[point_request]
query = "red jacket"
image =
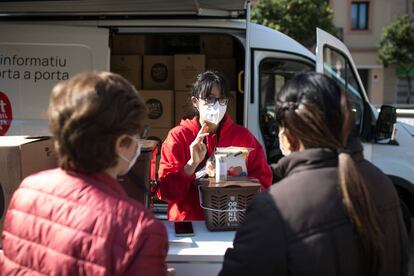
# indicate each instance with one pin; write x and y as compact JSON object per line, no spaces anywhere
{"x":177,"y":188}
{"x":65,"y":223}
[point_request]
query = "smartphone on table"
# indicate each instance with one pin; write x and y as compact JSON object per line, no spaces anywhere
{"x":183,"y":228}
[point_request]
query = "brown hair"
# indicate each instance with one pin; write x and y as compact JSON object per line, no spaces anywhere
{"x":87,"y":113}
{"x":314,"y":110}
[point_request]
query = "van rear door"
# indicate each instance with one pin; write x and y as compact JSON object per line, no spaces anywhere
{"x":33,"y":58}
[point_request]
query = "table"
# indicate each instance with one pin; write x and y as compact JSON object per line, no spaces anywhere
{"x":201,"y":254}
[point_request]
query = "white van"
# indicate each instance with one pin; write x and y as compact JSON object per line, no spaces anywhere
{"x":43,"y":42}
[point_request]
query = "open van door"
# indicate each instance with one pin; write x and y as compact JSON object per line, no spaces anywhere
{"x":334,"y":59}
{"x":33,"y":58}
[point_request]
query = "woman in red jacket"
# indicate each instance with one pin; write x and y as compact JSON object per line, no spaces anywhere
{"x":189,"y":145}
{"x":77,"y":219}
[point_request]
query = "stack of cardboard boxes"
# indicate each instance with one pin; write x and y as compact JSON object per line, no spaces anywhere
{"x":165,"y":81}
{"x":186,"y":68}
{"x":152,"y":76}
{"x":126,"y":58}
{"x":219,"y":57}
{"x":158,"y":94}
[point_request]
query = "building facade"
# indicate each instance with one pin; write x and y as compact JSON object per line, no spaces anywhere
{"x":360,"y":24}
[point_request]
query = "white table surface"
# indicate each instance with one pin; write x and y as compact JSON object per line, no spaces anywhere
{"x":204,"y":246}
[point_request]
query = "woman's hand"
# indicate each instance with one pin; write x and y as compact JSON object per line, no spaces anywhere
{"x":198,"y":151}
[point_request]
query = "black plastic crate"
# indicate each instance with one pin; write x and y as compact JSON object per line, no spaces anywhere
{"x":225,"y":203}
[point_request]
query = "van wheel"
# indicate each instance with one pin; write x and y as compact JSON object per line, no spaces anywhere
{"x":406,"y":216}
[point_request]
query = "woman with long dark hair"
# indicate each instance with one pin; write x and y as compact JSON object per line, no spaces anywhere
{"x":332,"y":212}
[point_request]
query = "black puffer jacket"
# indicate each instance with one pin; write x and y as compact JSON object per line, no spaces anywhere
{"x":300,"y":226}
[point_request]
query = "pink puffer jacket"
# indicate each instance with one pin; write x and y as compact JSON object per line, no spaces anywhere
{"x":66,"y":223}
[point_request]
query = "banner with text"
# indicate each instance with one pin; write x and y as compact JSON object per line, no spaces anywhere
{"x":28,"y":72}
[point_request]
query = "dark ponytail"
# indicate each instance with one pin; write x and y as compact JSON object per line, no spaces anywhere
{"x":315,"y":111}
{"x":356,"y":198}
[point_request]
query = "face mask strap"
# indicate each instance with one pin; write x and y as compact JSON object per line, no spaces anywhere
{"x":137,"y":153}
{"x":124,"y":158}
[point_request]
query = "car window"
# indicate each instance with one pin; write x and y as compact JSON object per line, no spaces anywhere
{"x":339,"y":68}
{"x":273,"y":74}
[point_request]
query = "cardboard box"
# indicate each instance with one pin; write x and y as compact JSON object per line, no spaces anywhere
{"x":160,"y":104}
{"x":128,"y":66}
{"x":128,"y":44}
{"x":173,"y":44}
{"x":158,"y":72}
{"x":216,"y":46}
{"x":19,"y":157}
{"x":153,"y":45}
{"x":186,"y":69}
{"x":227,"y":67}
{"x":183,"y":105}
{"x":158,"y":133}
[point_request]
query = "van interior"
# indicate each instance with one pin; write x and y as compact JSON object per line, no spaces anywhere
{"x":146,"y":60}
{"x":162,"y":68}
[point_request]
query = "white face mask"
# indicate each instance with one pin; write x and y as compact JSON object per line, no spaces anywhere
{"x":213,"y":114}
{"x":282,"y":145}
{"x":134,"y":159}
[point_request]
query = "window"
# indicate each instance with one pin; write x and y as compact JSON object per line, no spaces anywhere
{"x":273,"y":74}
{"x":359,"y":15}
{"x":339,"y":68}
{"x":363,"y":75}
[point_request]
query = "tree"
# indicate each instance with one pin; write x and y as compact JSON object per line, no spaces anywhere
{"x":397,"y":47}
{"x":295,"y":18}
